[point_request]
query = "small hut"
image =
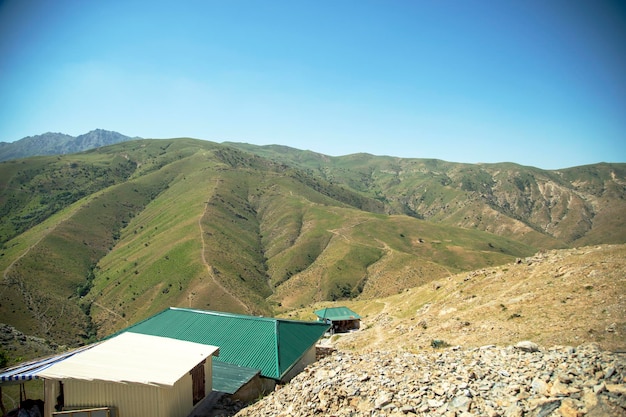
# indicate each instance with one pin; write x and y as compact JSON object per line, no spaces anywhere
{"x":133,"y":375}
{"x":341,"y":319}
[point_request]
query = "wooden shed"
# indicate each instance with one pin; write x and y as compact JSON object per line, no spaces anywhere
{"x":134,"y":375}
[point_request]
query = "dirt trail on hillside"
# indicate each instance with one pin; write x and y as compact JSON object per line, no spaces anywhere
{"x":339,"y":233}
{"x":28,"y":249}
{"x":45,"y":234}
{"x":112,"y":312}
{"x":204,"y":260}
{"x":380,"y":320}
{"x":32,"y":300}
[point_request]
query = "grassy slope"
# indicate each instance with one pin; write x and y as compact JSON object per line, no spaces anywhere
{"x":369,"y":255}
{"x":45,"y":268}
{"x":48,"y":273}
{"x":31,"y":190}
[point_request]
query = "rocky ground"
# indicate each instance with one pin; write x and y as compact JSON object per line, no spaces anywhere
{"x":521,"y":380}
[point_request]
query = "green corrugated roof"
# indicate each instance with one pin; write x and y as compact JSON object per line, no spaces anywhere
{"x":271,"y":345}
{"x":337,"y":313}
{"x":229,"y":378}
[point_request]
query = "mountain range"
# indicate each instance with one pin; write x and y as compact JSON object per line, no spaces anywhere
{"x":96,"y":240}
{"x":58,"y":144}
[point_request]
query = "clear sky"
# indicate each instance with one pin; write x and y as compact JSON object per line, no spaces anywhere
{"x":537,"y":82}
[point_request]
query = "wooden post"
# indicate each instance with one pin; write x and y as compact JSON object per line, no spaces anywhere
{"x":4,"y":410}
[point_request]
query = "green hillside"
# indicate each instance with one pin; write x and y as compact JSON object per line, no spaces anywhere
{"x":551,"y":209}
{"x":95,"y":241}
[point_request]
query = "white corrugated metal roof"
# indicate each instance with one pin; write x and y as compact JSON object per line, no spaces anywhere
{"x":133,"y":358}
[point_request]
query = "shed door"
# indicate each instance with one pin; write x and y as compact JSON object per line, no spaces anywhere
{"x":197,"y":380}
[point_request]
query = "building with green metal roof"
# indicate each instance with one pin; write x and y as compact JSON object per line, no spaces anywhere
{"x":342,"y":319}
{"x":278,"y":348}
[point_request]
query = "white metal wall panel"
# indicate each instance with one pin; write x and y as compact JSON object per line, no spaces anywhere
{"x":132,"y":400}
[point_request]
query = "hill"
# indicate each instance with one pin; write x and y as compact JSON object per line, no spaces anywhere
{"x":97,"y":240}
{"x":565,"y":297}
{"x":571,"y":207}
{"x":58,"y":144}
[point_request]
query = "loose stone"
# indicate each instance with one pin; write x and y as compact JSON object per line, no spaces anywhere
{"x":513,"y":381}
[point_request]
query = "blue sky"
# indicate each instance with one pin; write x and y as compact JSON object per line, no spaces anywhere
{"x":540,"y":83}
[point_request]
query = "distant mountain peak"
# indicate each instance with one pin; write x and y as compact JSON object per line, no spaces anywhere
{"x":51,"y":143}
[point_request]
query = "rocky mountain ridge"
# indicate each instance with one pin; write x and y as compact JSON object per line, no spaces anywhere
{"x":58,"y":144}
